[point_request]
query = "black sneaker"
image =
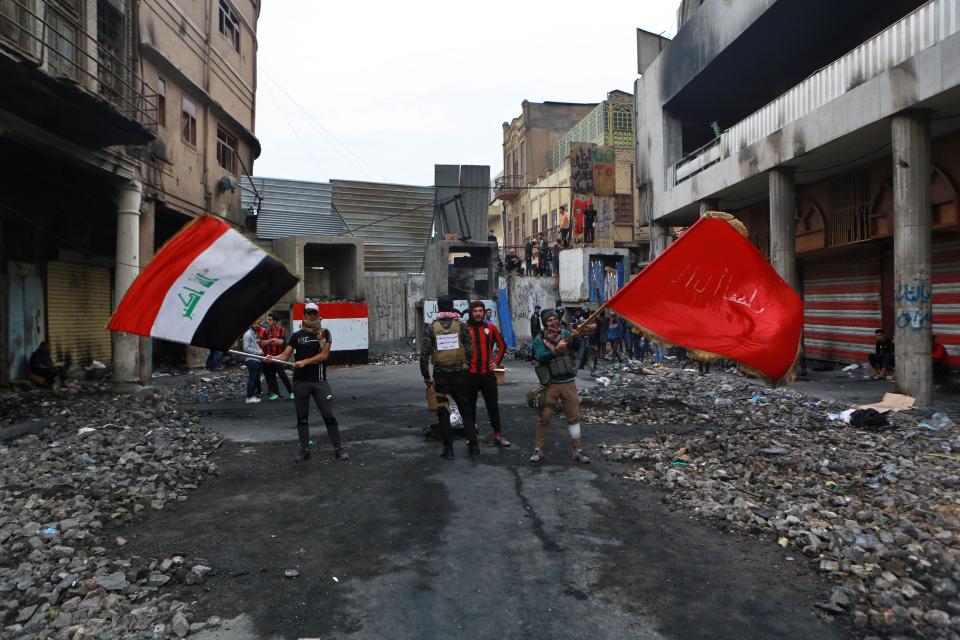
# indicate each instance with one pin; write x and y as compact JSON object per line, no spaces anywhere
{"x":447,"y":452}
{"x":340,"y":454}
{"x":474,"y":448}
{"x":303,"y":455}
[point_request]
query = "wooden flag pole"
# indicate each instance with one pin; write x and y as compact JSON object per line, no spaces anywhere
{"x":250,"y":356}
{"x":593,"y":316}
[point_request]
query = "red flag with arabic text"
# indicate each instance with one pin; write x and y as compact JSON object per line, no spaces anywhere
{"x":714,"y":292}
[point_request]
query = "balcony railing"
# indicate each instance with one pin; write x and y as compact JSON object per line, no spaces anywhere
{"x":56,"y":44}
{"x":930,"y":24}
{"x":505,"y":186}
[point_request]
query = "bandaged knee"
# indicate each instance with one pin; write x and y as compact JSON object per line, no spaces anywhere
{"x":574,"y":430}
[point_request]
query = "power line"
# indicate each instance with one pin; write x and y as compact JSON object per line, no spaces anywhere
{"x":295,"y":134}
{"x":319,"y":126}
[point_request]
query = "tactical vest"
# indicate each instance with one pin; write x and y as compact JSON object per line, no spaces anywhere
{"x":563,"y":365}
{"x":448,"y":351}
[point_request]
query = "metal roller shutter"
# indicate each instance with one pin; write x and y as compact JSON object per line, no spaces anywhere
{"x":78,"y":309}
{"x":842,"y":306}
{"x":946,"y":294}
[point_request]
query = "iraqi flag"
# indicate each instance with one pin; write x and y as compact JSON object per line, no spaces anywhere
{"x":205,"y":287}
{"x":713,"y":292}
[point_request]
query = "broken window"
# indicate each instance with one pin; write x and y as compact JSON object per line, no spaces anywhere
{"x":226,"y":150}
{"x":230,"y":24}
{"x":188,"y":123}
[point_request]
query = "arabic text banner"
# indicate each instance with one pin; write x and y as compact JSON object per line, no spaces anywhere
{"x":205,"y":287}
{"x":713,"y":291}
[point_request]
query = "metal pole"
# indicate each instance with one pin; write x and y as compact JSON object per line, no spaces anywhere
{"x":250,"y":356}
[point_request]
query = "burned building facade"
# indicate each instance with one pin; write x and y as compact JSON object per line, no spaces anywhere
{"x":120,"y":121}
{"x":832,"y":131}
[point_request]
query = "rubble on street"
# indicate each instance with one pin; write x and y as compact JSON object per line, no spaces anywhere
{"x":384,"y":359}
{"x":101,"y":461}
{"x":875,"y":508}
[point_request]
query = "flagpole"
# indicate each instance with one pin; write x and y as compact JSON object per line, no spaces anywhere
{"x":593,"y":316}
{"x":250,"y":356}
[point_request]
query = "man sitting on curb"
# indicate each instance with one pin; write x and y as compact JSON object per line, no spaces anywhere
{"x":555,"y":348}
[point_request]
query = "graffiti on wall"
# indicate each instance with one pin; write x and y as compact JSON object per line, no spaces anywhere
{"x":603,"y":232}
{"x":581,"y":167}
{"x":604,"y":171}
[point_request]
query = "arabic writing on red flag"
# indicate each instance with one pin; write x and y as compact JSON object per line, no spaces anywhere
{"x":713,"y":291}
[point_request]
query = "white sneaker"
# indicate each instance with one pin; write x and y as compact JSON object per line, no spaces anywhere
{"x":253,"y":400}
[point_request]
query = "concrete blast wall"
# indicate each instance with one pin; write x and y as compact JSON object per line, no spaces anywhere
{"x":386,"y":294}
{"x":415,"y":283}
{"x":524,"y":294}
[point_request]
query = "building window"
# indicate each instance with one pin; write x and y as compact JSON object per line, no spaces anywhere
{"x":230,"y":24}
{"x":523,"y":159}
{"x":543,"y":222}
{"x":623,"y":209}
{"x":61,"y":37}
{"x":109,"y":49}
{"x":516,"y":165}
{"x":161,"y":102}
{"x":188,"y":123}
{"x":535,"y":222}
{"x":226,"y":150}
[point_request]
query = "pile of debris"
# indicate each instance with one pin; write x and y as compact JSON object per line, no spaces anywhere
{"x":875,"y":507}
{"x":100,"y":462}
{"x":383,"y":359}
{"x":214,"y":386}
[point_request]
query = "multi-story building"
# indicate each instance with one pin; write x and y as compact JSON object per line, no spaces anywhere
{"x":119,"y":120}
{"x":608,"y":124}
{"x":201,"y":58}
{"x":832,"y":129}
{"x":527,"y":141}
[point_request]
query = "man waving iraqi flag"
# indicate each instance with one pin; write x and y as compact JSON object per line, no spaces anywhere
{"x":205,"y":287}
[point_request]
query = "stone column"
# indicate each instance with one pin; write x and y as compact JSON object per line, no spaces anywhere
{"x":783,"y":214}
{"x":709,"y":204}
{"x":660,"y":238}
{"x":147,"y":226}
{"x":126,"y":346}
{"x":912,"y":220}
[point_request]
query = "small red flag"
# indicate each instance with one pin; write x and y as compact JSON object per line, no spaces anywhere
{"x":714,"y":292}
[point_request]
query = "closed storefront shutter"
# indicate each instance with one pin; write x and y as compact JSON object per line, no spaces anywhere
{"x":78,"y":309}
{"x":842,"y":306}
{"x":946,"y":293}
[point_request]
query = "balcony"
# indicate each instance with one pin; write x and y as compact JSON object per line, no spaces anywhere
{"x":928,"y":26}
{"x":67,"y":82}
{"x":508,"y":187}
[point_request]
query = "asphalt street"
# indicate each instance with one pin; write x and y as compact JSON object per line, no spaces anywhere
{"x":398,"y":543}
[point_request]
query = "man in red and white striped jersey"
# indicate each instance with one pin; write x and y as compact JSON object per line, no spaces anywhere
{"x":484,"y":336}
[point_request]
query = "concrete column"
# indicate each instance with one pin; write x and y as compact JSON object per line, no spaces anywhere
{"x":783,"y":213}
{"x":147,"y":226}
{"x":126,"y":346}
{"x":660,"y":238}
{"x":709,"y":204}
{"x":912,"y":220}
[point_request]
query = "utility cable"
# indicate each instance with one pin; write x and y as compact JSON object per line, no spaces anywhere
{"x":294,"y":131}
{"x":316,"y":123}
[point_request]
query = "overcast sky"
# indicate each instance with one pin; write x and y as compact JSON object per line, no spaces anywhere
{"x":382,"y":91}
